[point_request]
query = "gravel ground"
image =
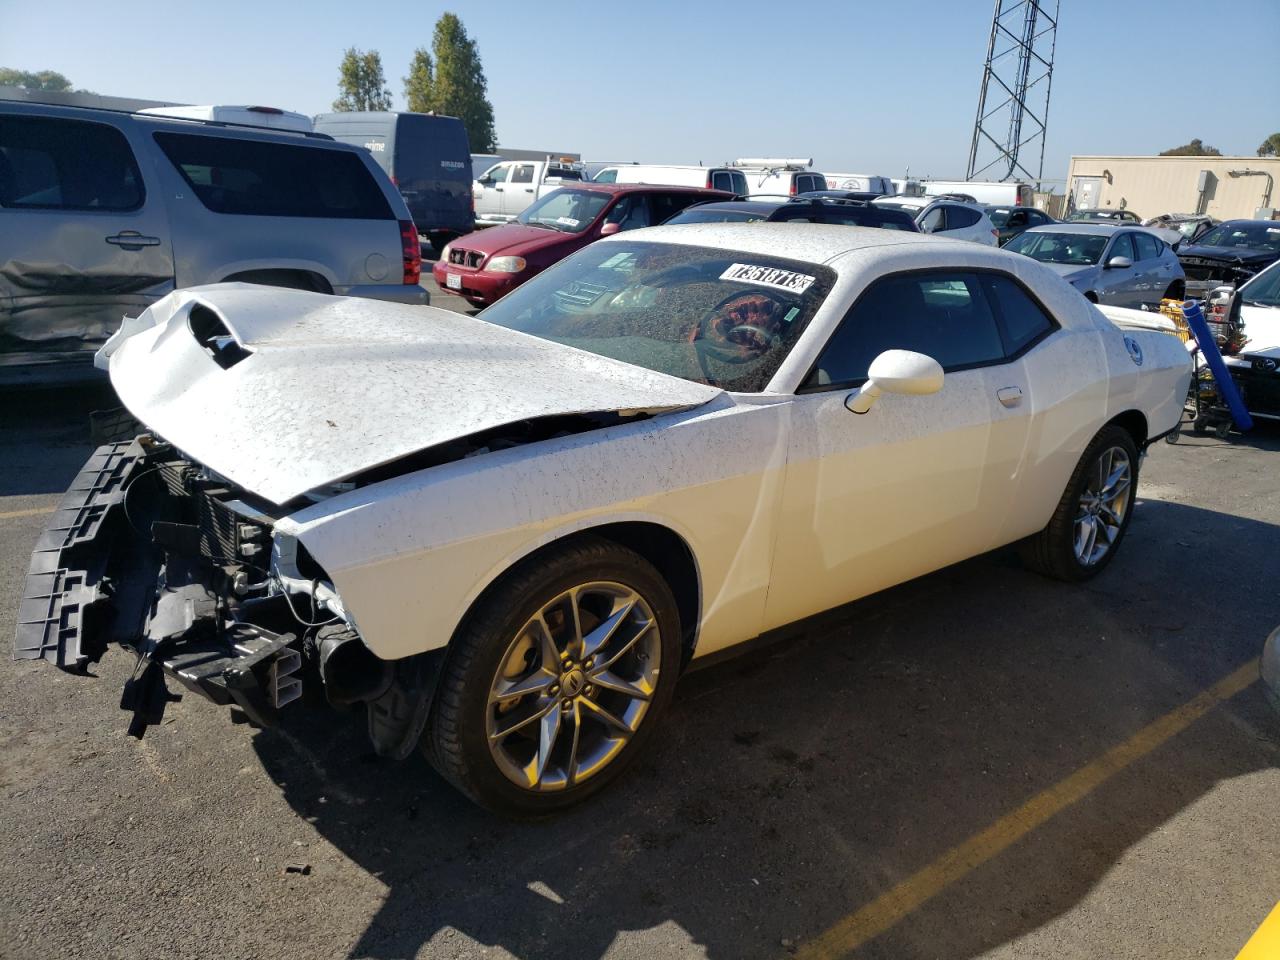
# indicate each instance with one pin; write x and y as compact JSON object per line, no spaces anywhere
{"x":787,"y":788}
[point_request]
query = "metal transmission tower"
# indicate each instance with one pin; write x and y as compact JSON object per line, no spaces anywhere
{"x":1018,"y":76}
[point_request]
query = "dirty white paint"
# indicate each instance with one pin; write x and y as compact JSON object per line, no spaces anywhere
{"x":788,"y":503}
{"x":336,"y":385}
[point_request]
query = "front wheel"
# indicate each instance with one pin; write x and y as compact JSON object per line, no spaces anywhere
{"x":556,"y":680}
{"x":1093,"y":514}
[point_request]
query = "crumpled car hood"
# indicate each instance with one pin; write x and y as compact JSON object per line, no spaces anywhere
{"x":290,"y":391}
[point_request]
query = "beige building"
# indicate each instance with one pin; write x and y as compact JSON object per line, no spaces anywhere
{"x":1222,"y":187}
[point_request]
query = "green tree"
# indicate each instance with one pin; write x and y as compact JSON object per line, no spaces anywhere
{"x":1270,"y":146}
{"x":45,"y":80}
{"x":458,"y":88}
{"x":419,"y":84}
{"x":361,"y":83}
{"x":1193,"y":149}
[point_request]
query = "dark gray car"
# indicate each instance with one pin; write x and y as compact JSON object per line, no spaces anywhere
{"x":1114,"y":265}
{"x":103,"y":212}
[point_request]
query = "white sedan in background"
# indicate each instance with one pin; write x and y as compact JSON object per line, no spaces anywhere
{"x":509,"y":534}
{"x":954,"y":219}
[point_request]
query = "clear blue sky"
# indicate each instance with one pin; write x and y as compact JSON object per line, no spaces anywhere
{"x":859,"y":86}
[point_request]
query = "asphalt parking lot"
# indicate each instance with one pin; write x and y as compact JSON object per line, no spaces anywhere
{"x":980,"y":763}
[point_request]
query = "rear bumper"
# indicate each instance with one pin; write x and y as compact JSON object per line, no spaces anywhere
{"x":94,"y":581}
{"x":393,"y":292}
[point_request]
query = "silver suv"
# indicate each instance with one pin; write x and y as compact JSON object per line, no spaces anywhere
{"x":102,"y":213}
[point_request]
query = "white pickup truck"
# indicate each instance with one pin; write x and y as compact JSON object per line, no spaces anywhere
{"x":505,"y":189}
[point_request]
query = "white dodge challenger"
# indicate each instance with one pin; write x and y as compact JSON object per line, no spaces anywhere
{"x":508,"y":534}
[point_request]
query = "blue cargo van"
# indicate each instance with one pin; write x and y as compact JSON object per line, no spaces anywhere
{"x":428,"y":158}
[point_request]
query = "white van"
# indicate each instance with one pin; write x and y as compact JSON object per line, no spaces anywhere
{"x":272,"y":117}
{"x":781,"y":177}
{"x":674,"y":175}
{"x":862,"y":182}
{"x":1009,"y":193}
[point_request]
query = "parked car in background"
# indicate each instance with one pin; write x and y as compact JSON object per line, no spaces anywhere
{"x":808,"y":208}
{"x":1011,"y":221}
{"x":488,"y":264}
{"x":712,"y":178}
{"x":428,"y":158}
{"x":251,"y":116}
{"x":1231,"y":252}
{"x":670,"y":444}
{"x":947,"y":218}
{"x":1255,"y":366}
{"x":1104,"y":216}
{"x":1181,"y":227}
{"x":102,"y":213}
{"x":505,"y":190}
{"x":779,"y":177}
{"x":861,"y":183}
{"x":1107,"y":263}
{"x":1010,"y":193}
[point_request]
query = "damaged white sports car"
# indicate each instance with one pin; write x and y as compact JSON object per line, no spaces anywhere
{"x":508,"y":534}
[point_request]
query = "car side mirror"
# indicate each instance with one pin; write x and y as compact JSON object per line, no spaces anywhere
{"x":897,"y":371}
{"x":1119,"y":263}
{"x":609,"y":229}
{"x":485,"y":181}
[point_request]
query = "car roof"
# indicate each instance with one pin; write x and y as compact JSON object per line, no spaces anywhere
{"x":1095,"y":229}
{"x":812,"y":242}
{"x":763,"y":207}
{"x":642,"y":188}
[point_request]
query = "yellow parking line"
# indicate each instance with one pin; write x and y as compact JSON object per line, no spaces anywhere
{"x":33,"y":512}
{"x":1265,"y":942}
{"x":886,"y":910}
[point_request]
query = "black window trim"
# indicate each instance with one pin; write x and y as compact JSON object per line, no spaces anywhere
{"x":807,"y":388}
{"x":133,"y":160}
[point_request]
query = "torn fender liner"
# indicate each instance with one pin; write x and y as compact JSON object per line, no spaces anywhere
{"x":64,"y":616}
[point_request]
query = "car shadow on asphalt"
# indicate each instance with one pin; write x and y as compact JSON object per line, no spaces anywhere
{"x":44,"y":433}
{"x":797,"y":783}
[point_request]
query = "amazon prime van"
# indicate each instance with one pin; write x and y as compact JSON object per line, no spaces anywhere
{"x":428,"y":158}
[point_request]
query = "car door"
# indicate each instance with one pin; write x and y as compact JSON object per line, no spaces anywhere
{"x":520,"y":190}
{"x":1121,"y":286}
{"x":916,"y":483}
{"x":489,"y":190}
{"x":1154,"y":269}
{"x":84,"y":238}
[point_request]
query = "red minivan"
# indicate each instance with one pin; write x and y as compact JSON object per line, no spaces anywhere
{"x":485,"y":265}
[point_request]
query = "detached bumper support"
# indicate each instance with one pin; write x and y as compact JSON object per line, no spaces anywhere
{"x":61,"y":617}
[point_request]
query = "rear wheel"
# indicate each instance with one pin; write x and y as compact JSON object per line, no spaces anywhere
{"x":1093,"y":514}
{"x":557,"y":679}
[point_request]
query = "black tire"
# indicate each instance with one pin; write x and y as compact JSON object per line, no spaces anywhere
{"x":455,"y":741}
{"x":1052,"y":551}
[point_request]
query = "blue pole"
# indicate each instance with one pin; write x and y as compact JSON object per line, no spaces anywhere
{"x":1209,"y":349}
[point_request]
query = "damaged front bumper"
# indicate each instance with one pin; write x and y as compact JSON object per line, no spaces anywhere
{"x":142,"y":567}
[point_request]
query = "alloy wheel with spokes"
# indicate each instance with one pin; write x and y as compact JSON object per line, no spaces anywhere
{"x":1103,"y":505}
{"x":573,"y":686}
{"x":1087,"y":526}
{"x":555,"y":680}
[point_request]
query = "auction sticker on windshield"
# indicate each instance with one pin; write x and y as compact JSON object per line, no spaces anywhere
{"x":769,"y":277}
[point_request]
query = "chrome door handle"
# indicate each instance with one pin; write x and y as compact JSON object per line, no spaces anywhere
{"x":131,"y":238}
{"x":1009,"y":396}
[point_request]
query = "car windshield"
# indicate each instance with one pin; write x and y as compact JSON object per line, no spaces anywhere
{"x":717,"y":317}
{"x":1098,"y":215}
{"x":694,"y":215}
{"x":566,"y":210}
{"x":1256,"y":236}
{"x":1263,"y":290}
{"x":1080,"y":249}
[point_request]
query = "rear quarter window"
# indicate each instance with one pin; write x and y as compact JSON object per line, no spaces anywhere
{"x":48,"y":163}
{"x":266,"y":179}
